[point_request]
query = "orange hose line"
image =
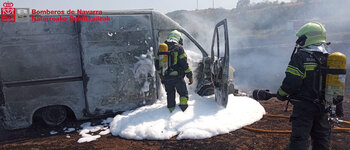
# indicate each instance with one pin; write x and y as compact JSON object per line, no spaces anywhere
{"x":284,"y":116}
{"x":341,"y":129}
{"x":267,"y":131}
{"x":280,"y":116}
{"x":346,"y":122}
{"x":289,"y":131}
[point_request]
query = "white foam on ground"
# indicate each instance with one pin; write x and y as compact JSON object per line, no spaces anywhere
{"x":105,"y":132}
{"x":202,"y":119}
{"x":88,"y":138}
{"x":87,"y":131}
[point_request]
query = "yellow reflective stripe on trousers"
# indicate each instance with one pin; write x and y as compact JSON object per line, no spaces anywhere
{"x":183,"y":100}
{"x":188,"y":70}
{"x":294,"y":71}
{"x":174,"y":73}
{"x":183,"y":56}
{"x":282,"y":93}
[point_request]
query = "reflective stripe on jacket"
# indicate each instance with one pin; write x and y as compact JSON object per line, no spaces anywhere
{"x":302,"y":80}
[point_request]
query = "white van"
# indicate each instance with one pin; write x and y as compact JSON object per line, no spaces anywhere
{"x":90,"y":68}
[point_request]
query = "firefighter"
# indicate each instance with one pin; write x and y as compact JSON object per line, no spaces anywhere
{"x":304,"y":86}
{"x":172,"y":75}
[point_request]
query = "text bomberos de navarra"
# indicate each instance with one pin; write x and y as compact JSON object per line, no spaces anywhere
{"x":55,"y":15}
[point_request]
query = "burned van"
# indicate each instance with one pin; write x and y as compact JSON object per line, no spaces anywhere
{"x":90,"y":68}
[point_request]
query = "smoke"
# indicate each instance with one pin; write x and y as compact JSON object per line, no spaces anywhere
{"x":262,"y":36}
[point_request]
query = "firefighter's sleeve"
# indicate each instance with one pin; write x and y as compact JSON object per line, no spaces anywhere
{"x":183,"y":62}
{"x":158,"y":68}
{"x":294,"y":76}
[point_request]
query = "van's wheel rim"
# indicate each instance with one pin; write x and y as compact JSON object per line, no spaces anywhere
{"x":54,"y":115}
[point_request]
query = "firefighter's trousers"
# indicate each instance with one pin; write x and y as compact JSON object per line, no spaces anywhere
{"x":309,"y":119}
{"x":178,"y":85}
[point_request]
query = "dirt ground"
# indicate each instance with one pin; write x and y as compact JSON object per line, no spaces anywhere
{"x":38,"y":137}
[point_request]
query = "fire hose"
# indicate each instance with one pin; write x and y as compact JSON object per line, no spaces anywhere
{"x":265,"y":95}
{"x":290,"y":131}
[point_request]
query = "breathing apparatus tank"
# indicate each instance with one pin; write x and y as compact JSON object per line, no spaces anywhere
{"x":335,"y":81}
{"x":163,"y":55}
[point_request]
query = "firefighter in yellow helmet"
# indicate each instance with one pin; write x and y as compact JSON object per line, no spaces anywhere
{"x":304,"y":86}
{"x":172,"y":67}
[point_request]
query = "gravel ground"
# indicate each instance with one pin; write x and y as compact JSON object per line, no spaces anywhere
{"x":38,"y":137}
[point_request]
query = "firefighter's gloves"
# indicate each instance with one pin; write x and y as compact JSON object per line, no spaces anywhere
{"x":281,"y":98}
{"x":281,"y":95}
{"x":190,"y":79}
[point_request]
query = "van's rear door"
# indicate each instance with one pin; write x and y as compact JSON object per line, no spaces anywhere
{"x":220,"y":62}
{"x":110,"y":52}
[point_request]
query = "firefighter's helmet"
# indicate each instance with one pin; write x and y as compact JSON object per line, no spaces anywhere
{"x":174,"y":35}
{"x":312,"y":33}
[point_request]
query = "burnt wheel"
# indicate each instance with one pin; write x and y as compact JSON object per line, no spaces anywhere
{"x":54,"y":115}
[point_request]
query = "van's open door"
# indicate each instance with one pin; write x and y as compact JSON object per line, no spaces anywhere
{"x":220,"y":63}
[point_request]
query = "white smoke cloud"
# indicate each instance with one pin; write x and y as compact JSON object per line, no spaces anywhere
{"x":262,"y":39}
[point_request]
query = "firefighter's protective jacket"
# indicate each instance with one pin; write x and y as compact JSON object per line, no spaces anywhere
{"x":303,"y":78}
{"x":178,"y":66}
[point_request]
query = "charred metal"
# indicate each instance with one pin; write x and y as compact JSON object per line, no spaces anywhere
{"x":90,"y":69}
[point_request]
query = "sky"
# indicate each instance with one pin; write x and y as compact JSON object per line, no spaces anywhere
{"x":161,"y":5}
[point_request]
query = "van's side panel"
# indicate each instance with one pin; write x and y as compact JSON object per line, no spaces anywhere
{"x":87,"y":66}
{"x":22,"y":101}
{"x":110,"y":51}
{"x":38,"y":50}
{"x":40,"y":65}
